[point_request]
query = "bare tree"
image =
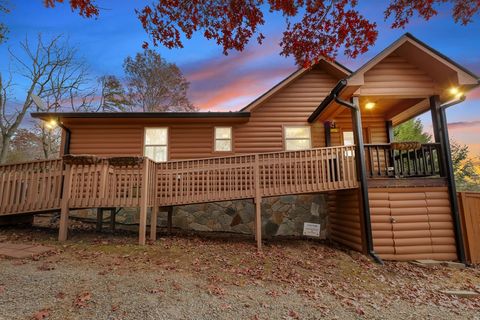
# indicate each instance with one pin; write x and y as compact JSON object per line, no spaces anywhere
{"x":3,"y":27}
{"x":52,"y":73}
{"x":156,"y":85}
{"x":113,"y":97}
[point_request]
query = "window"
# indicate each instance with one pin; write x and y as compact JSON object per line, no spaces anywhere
{"x":348,"y":139}
{"x":223,"y":139}
{"x":297,"y":138}
{"x":156,"y":144}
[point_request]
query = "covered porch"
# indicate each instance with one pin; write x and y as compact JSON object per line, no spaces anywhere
{"x":407,"y":191}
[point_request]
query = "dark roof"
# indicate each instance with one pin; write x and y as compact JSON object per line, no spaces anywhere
{"x":126,"y":115}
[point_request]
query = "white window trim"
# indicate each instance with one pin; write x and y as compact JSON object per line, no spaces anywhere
{"x":145,"y":145}
{"x":297,"y":126}
{"x":343,"y":138}
{"x":222,"y":139}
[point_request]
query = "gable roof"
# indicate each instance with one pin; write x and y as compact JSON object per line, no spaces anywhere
{"x":295,"y":75}
{"x":356,"y":78}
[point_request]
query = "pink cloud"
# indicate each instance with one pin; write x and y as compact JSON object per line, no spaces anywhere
{"x":227,"y":82}
{"x":220,"y":94}
{"x":465,"y":125}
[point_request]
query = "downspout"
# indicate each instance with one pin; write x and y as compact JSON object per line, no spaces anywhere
{"x":361,"y":165}
{"x":68,"y":133}
{"x":360,"y":157}
{"x":451,"y":178}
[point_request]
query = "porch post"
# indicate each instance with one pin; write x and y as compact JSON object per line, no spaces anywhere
{"x":441,"y":133}
{"x":361,"y":172}
{"x":328,"y":134}
{"x":64,"y":206}
{"x":258,"y":205}
{"x":142,"y":228}
{"x":153,"y":223}
{"x":389,"y":128}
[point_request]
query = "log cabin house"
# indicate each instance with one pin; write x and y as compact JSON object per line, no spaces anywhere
{"x":324,"y":130}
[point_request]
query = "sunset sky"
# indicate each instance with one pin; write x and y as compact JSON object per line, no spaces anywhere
{"x":221,"y":82}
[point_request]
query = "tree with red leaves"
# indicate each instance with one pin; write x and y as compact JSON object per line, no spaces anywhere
{"x":323,"y":27}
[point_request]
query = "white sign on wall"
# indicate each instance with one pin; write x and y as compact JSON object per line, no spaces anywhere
{"x":311,"y":229}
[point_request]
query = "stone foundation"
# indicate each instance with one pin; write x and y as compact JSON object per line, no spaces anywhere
{"x":281,"y":216}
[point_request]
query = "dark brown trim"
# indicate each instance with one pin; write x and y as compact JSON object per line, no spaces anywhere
{"x":328,"y":99}
{"x":446,"y":159}
{"x":328,"y":133}
{"x":128,"y":115}
{"x":389,"y":128}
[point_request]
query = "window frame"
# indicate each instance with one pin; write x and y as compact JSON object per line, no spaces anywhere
{"x":145,"y":145}
{"x":214,"y":148}
{"x":285,"y":127}
{"x":343,"y":137}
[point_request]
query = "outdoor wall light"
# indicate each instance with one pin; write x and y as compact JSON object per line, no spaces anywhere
{"x":456,"y":92}
{"x":369,"y":105}
{"x":51,"y":124}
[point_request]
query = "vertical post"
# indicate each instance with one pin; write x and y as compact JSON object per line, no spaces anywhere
{"x":361,"y":172}
{"x":143,"y":203}
{"x":103,"y":181}
{"x":258,"y":204}
{"x":153,"y":223}
{"x":434,"y":105}
{"x":389,"y":128}
{"x":169,"y":219}
{"x":328,"y":133}
{"x":437,"y":133}
{"x":389,"y":152}
{"x":446,"y":161}
{"x":113,"y":212}
{"x":99,"y":219}
{"x":64,"y":206}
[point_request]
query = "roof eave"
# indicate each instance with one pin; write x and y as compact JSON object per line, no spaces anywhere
{"x":138,"y":115}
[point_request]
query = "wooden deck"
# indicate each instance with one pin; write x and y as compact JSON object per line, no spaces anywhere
{"x":64,"y":184}
{"x":40,"y":185}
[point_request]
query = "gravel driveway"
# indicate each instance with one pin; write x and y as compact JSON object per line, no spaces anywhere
{"x":196,"y":277}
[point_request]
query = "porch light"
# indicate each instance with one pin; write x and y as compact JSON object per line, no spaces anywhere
{"x":370,"y":105}
{"x":454,"y":91}
{"x":51,"y":124}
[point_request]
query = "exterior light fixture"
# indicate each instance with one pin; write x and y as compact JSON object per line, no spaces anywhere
{"x":454,"y":91}
{"x":369,"y":105}
{"x":51,"y":124}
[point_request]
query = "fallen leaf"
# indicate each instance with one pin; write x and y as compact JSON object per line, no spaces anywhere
{"x":41,"y":314}
{"x":60,"y":295}
{"x":82,"y":299}
{"x":293,"y":314}
{"x":46,"y":267}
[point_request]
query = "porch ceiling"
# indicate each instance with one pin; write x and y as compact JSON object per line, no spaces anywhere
{"x":395,"y":109}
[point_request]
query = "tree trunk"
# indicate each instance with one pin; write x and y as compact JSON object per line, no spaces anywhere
{"x":4,"y":152}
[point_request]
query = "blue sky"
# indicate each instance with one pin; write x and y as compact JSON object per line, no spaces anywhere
{"x":221,"y":82}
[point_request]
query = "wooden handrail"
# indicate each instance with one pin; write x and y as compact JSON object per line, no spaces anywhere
{"x":39,"y":185}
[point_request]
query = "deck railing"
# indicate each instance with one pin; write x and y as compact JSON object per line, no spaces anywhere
{"x":384,"y":161}
{"x":52,"y":184}
{"x":234,"y":177}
